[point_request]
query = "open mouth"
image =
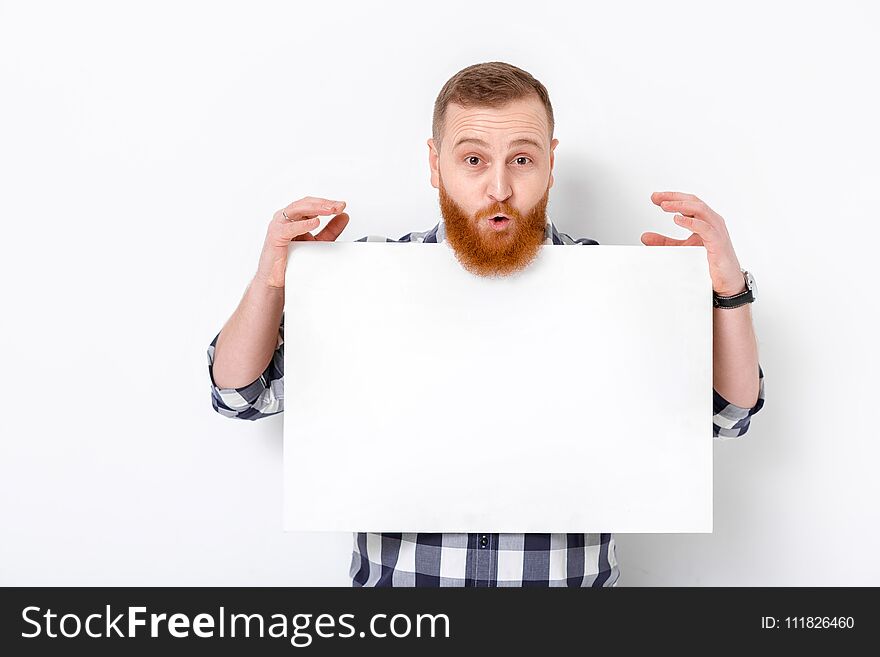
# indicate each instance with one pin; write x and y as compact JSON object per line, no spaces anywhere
{"x":498,"y":222}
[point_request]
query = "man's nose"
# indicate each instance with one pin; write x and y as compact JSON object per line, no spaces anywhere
{"x":499,"y":188}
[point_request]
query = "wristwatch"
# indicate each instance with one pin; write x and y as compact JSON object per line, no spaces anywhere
{"x":736,"y":300}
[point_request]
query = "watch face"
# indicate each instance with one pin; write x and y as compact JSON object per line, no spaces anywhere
{"x":751,"y":283}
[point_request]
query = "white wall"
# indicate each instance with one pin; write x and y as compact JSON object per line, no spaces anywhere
{"x":145,"y":149}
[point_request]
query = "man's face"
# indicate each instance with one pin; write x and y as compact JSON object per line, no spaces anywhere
{"x":483,"y":170}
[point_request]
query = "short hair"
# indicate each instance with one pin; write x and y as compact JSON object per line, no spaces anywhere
{"x":488,"y":84}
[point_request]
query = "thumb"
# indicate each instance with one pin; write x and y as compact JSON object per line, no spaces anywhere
{"x":333,"y":229}
{"x":655,"y":239}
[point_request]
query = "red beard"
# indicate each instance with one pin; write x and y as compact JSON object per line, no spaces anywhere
{"x":487,"y":252}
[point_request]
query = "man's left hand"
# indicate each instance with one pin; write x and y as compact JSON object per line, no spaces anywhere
{"x":708,"y":230}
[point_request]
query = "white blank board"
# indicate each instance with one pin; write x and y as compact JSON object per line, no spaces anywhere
{"x":573,"y":396}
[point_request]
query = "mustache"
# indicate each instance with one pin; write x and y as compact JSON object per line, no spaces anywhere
{"x":496,"y":209}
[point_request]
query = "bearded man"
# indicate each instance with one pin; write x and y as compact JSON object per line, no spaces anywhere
{"x":491,"y":157}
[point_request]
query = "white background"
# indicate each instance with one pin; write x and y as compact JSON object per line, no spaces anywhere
{"x":144,"y":150}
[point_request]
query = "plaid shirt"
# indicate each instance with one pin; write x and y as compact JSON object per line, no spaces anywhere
{"x":465,"y":559}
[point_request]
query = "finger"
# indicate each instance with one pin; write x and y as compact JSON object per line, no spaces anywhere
{"x":688,"y":208}
{"x":291,"y":229}
{"x":333,"y":228}
{"x":657,"y":197}
{"x":309,"y":201}
{"x":703,"y":228}
{"x":655,"y":239}
{"x":306,"y":212}
{"x":310,"y":207}
{"x":294,"y":216}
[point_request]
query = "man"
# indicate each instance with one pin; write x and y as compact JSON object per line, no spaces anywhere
{"x":491,"y":157}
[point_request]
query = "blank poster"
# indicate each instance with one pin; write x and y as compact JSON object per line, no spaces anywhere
{"x":573,"y":396}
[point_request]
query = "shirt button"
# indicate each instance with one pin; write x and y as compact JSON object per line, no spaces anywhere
{"x":484,"y":541}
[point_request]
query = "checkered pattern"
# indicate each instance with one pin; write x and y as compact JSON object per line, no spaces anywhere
{"x":484,"y":560}
{"x":465,"y":559}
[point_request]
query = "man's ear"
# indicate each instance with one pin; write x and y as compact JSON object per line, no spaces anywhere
{"x":434,"y":163}
{"x":552,"y":148}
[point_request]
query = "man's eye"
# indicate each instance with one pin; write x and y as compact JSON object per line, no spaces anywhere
{"x":474,"y":157}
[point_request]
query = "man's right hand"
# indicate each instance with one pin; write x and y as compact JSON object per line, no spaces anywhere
{"x":302,"y":217}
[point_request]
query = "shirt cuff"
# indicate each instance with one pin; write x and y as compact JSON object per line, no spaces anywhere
{"x":730,"y":420}
{"x":263,"y":396}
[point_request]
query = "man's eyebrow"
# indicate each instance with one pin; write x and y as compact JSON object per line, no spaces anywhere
{"x":516,"y":142}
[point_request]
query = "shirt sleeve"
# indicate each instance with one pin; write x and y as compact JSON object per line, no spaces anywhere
{"x":258,"y":399}
{"x":730,"y":420}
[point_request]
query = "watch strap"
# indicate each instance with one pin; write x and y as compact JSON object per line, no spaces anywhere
{"x":734,"y":300}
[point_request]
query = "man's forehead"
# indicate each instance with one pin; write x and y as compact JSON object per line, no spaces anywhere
{"x":522,"y":118}
{"x":467,"y":138}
